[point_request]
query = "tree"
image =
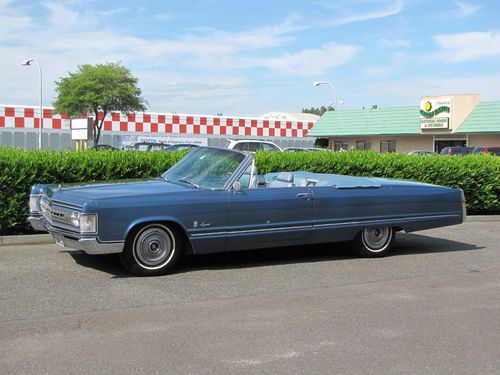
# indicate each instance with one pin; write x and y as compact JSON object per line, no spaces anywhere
{"x":98,"y":89}
{"x":318,"y":111}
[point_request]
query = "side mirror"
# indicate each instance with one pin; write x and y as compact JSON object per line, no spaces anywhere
{"x":237,"y":187}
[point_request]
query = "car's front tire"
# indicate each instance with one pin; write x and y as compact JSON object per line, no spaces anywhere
{"x":151,"y":250}
{"x":373,"y":242}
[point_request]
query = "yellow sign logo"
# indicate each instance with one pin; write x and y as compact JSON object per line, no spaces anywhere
{"x":428,"y":106}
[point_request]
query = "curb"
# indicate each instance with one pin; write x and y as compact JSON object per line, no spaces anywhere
{"x":26,"y":239}
{"x":39,"y":239}
{"x":483,"y":218}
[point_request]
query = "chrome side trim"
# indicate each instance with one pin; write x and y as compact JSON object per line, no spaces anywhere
{"x":386,"y":220}
{"x":252,"y":230}
{"x":326,"y":225}
{"x":207,"y":234}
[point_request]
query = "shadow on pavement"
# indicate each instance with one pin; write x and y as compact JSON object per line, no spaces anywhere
{"x":405,"y":244}
{"x":412,"y":243}
{"x":108,"y":263}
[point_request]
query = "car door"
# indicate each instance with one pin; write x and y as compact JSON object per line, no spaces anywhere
{"x":269,"y":217}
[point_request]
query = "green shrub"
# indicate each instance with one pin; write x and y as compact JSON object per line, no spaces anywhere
{"x":23,"y":169}
{"x":477,"y":175}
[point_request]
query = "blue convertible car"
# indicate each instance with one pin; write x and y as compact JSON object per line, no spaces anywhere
{"x":213,"y":200}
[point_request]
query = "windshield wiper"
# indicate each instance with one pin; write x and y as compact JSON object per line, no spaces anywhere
{"x":185,"y":180}
{"x":163,"y":178}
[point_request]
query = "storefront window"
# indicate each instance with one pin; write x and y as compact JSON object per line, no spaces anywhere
{"x":387,"y":146}
{"x":363,"y":145}
{"x":340,"y":146}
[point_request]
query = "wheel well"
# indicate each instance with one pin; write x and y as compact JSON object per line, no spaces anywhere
{"x":187,"y":248}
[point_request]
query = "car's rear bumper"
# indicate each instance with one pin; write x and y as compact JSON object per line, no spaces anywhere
{"x":90,"y":245}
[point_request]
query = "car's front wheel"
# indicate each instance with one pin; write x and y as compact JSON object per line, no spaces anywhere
{"x":152,"y":249}
{"x":373,"y":242}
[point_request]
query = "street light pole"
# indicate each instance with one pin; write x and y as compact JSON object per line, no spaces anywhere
{"x":333,"y":89}
{"x":28,"y":63}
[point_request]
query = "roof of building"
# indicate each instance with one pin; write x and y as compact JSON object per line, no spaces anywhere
{"x":485,"y":118}
{"x":380,"y":121}
{"x":290,"y":116}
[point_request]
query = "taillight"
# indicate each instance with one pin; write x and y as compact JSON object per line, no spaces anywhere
{"x":486,"y":150}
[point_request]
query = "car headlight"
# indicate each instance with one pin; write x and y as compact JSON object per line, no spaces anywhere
{"x":75,"y":219}
{"x":88,"y":223}
{"x":34,"y":204}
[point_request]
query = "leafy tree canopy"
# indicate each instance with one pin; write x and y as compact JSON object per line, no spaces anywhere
{"x":100,"y":88}
{"x":318,"y":111}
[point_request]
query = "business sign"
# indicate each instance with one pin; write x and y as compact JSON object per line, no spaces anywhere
{"x":175,"y":140}
{"x":81,"y":129}
{"x":435,"y":112}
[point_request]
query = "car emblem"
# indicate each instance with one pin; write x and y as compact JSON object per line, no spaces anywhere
{"x":202,"y":224}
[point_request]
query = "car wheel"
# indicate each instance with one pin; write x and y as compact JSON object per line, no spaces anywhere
{"x":373,"y":242}
{"x":151,"y":250}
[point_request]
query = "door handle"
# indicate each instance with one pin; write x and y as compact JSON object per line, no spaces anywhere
{"x":304,"y":196}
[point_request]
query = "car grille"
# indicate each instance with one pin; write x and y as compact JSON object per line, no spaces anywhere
{"x":57,"y":216}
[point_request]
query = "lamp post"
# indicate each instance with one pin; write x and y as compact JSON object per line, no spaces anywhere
{"x":333,"y":89}
{"x":28,"y":63}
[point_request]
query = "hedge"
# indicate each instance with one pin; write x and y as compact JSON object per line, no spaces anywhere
{"x":23,"y":169}
{"x":477,"y":175}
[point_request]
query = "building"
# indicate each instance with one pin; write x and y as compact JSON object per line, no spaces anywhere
{"x":439,"y":121}
{"x":290,"y":116}
{"x":19,"y":128}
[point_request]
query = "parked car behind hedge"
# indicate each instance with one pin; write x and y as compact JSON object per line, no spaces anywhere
{"x":487,"y":150}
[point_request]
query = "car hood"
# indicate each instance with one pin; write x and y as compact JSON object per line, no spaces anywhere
{"x":80,"y":194}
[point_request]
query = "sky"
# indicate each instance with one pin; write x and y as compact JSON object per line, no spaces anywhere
{"x":251,"y":57}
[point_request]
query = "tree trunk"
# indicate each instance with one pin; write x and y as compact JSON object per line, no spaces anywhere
{"x":96,"y":134}
{"x":98,"y":126}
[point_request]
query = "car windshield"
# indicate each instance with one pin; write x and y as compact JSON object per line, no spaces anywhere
{"x":206,"y":168}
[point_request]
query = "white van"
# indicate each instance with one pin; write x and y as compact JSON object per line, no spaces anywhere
{"x":252,"y":145}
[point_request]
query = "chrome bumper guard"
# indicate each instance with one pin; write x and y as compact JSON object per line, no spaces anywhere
{"x":90,"y":245}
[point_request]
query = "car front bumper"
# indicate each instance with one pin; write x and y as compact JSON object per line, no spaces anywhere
{"x":90,"y":245}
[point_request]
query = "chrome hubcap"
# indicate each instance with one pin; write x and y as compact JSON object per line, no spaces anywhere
{"x":377,"y":239}
{"x":154,"y":247}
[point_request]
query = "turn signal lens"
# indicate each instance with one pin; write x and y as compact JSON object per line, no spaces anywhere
{"x":88,"y":223}
{"x":34,"y":204}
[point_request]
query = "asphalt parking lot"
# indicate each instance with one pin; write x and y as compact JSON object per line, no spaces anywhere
{"x":433,"y":307}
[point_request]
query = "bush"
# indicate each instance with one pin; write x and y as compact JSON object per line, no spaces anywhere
{"x":477,"y":175}
{"x":23,"y":169}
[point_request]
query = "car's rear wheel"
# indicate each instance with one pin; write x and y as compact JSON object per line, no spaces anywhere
{"x":373,"y":242}
{"x":152,"y":249}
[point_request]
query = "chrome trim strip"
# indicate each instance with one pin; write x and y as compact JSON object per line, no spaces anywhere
{"x":386,"y":220}
{"x":270,"y":229}
{"x":326,"y":225}
{"x":207,"y":234}
{"x":64,"y":204}
{"x":252,"y":230}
